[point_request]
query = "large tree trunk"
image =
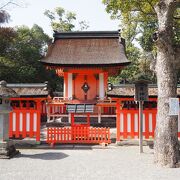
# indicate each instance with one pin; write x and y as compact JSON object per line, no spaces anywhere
{"x":166,"y":140}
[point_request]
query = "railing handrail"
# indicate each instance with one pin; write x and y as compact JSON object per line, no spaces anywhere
{"x":65,"y":99}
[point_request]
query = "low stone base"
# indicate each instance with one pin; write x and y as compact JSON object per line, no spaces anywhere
{"x":7,"y":150}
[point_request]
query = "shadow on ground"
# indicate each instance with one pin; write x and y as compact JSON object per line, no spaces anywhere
{"x":45,"y":156}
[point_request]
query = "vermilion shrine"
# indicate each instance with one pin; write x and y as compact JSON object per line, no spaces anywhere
{"x":85,"y":60}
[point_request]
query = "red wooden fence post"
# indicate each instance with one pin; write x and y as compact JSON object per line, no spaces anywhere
{"x":118,"y":120}
{"x":132,"y":124}
{"x":146,"y":124}
{"x":17,"y":124}
{"x":38,"y":129}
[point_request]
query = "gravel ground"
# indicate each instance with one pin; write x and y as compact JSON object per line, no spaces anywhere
{"x":118,"y":163}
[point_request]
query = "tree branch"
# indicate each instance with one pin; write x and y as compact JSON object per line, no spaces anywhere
{"x":176,"y":17}
{"x":149,"y":1}
{"x":8,"y":3}
{"x":142,"y":11}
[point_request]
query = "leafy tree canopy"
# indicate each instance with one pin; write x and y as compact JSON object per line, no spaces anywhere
{"x":139,"y":19}
{"x":139,"y":22}
{"x":20,"y":51}
{"x":62,"y":20}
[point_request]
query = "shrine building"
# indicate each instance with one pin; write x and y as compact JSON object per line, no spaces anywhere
{"x":86,"y":60}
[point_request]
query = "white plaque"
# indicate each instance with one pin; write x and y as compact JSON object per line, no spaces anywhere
{"x":173,"y":106}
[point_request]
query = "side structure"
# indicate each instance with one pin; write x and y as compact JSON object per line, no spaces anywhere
{"x":127,"y":121}
{"x":27,"y":110}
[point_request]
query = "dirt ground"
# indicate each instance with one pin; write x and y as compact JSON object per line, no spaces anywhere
{"x":116,"y":163}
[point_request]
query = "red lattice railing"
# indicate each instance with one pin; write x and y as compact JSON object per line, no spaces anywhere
{"x":78,"y":135}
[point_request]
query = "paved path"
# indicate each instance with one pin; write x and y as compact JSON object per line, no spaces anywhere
{"x":121,"y":163}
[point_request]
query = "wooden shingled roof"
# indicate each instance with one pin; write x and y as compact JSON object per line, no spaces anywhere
{"x":30,"y":90}
{"x":5,"y":91}
{"x":98,"y":48}
{"x":127,"y":90}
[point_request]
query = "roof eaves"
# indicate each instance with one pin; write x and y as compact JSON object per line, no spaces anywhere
{"x":27,"y":85}
{"x":87,"y":65}
{"x":86,"y":34}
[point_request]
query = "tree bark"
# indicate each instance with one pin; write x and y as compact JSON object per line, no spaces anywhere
{"x":166,"y":148}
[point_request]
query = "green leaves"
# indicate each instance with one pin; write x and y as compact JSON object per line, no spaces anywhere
{"x":138,"y":19}
{"x":7,"y":36}
{"x":62,"y":20}
{"x":20,"y":51}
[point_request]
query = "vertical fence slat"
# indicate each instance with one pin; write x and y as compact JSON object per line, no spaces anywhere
{"x":65,"y":134}
{"x":150,"y":124}
{"x":47,"y":138}
{"x":147,"y":125}
{"x":153,"y":122}
{"x":125,"y":126}
{"x":31,"y":124}
{"x":68,"y":134}
{"x":129,"y":123}
{"x":88,"y":130}
{"x":20,"y":123}
{"x":72,"y":134}
{"x":24,"y":125}
{"x":17,"y":125}
{"x":38,"y":129}
{"x":98,"y":134}
{"x":121,"y":123}
{"x":132,"y":124}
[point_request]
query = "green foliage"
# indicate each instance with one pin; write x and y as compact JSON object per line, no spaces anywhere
{"x":20,"y":52}
{"x":137,"y":17}
{"x":130,"y":71}
{"x":140,"y":64}
{"x":139,"y":21}
{"x":62,"y":20}
{"x":145,"y":40}
{"x":176,"y":24}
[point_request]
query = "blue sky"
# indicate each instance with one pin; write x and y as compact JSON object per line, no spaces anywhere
{"x":92,"y":11}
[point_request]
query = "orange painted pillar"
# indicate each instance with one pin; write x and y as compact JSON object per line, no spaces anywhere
{"x":38,"y":121}
{"x":118,"y":121}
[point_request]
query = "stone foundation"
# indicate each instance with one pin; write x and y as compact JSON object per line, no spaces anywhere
{"x":7,"y":150}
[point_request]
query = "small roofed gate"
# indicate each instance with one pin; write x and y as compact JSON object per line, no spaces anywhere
{"x":80,"y":131}
{"x":25,"y":118}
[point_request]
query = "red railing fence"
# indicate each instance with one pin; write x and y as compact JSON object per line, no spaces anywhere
{"x":25,"y":119}
{"x":128,"y":127}
{"x":78,"y":135}
{"x":24,"y":123}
